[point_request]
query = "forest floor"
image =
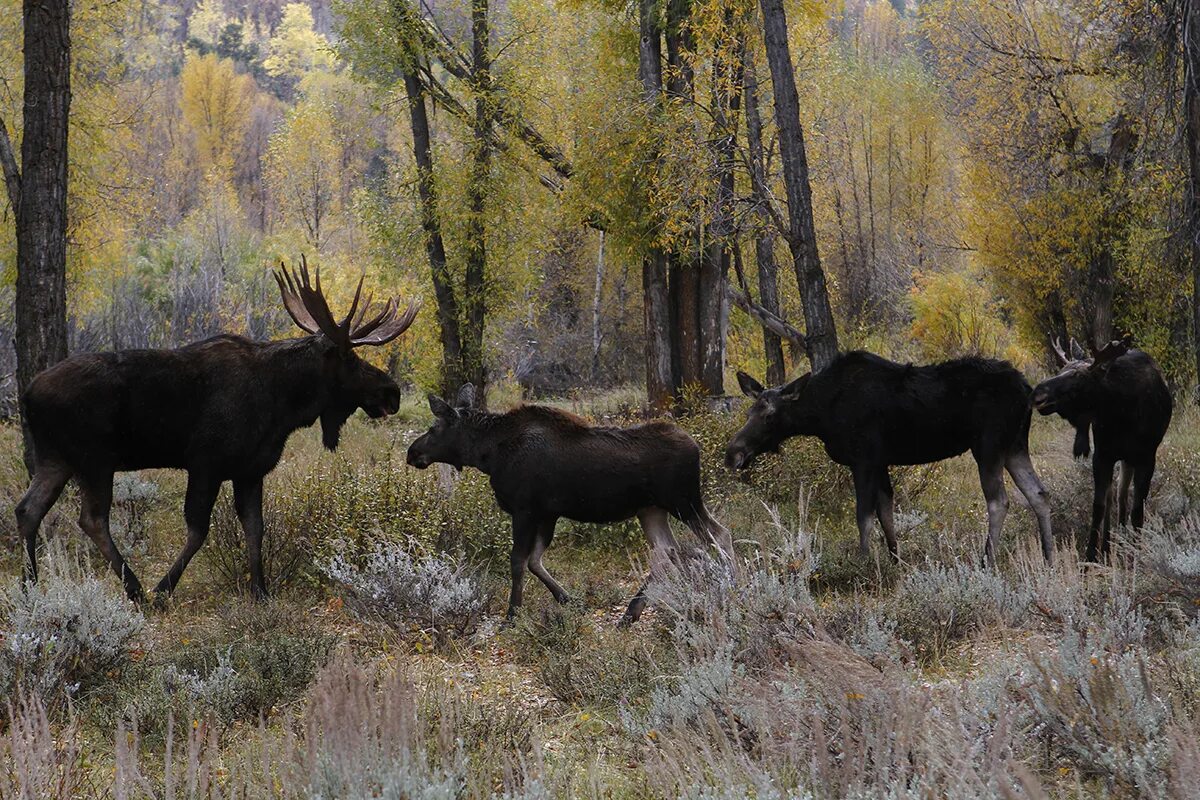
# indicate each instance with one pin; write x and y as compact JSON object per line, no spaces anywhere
{"x":381,"y":667}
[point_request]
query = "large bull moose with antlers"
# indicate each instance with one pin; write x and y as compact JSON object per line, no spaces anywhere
{"x":222,"y":409}
{"x":1121,"y":396}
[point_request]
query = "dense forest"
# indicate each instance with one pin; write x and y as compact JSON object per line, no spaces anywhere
{"x":620,"y":214}
{"x":556,"y":179}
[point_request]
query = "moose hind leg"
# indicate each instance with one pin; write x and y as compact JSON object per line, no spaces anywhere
{"x":95,"y":507}
{"x":44,"y":490}
{"x":247,"y":501}
{"x":656,"y":524}
{"x":885,"y":512}
{"x":197,"y":512}
{"x":1142,"y":475}
{"x":1020,"y":467}
{"x":1127,"y":471}
{"x":524,"y":537}
{"x":866,"y":500}
{"x":1102,"y":475}
{"x":991,"y":480}
{"x":713,"y":534}
{"x":545,"y":535}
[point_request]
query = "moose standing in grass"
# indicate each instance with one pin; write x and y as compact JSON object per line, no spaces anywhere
{"x":545,"y":464}
{"x":871,"y":413}
{"x":1120,"y":395}
{"x":222,"y":409}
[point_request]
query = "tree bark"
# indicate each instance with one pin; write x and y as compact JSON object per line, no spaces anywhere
{"x":597,"y":338}
{"x":821,"y":333}
{"x":655,"y":299}
{"x":40,"y":204}
{"x":474,"y":301}
{"x":764,"y":240}
{"x":443,"y":288}
{"x":1191,"y":95}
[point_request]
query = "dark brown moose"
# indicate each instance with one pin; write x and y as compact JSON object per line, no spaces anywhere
{"x":545,"y":464}
{"x":222,"y":409}
{"x":871,"y":413}
{"x":1120,"y":394}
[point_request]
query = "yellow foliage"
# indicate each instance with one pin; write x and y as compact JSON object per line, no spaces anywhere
{"x":216,"y":102}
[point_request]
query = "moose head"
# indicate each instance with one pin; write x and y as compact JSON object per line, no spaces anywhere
{"x":351,"y":382}
{"x":1069,"y":392}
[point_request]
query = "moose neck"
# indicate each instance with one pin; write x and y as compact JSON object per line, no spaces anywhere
{"x":799,"y":419}
{"x":488,"y":433}
{"x":294,"y":372}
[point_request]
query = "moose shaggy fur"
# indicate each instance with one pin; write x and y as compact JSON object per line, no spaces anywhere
{"x":545,"y":464}
{"x":871,"y":413}
{"x":222,"y":409}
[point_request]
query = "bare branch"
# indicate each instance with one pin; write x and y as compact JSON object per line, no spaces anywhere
{"x":771,"y":322}
{"x":12,"y":174}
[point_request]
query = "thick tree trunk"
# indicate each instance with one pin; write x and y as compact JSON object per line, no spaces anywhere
{"x":764,"y":240}
{"x":435,"y":248}
{"x":1101,"y":278}
{"x":821,"y":333}
{"x":714,"y":273}
{"x":1191,"y":95}
{"x":474,"y":300}
{"x":38,"y":193}
{"x":597,"y":337}
{"x":655,"y":298}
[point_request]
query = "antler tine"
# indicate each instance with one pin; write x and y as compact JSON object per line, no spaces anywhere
{"x":292,"y":301}
{"x":362,"y":313}
{"x":347,"y":323}
{"x":382,"y":318}
{"x":1058,"y":350}
{"x":393,"y":327}
{"x":317,"y":306}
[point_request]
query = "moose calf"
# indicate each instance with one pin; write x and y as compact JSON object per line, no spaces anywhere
{"x":545,"y":464}
{"x":222,"y":409}
{"x":1121,"y":395}
{"x":871,"y":413}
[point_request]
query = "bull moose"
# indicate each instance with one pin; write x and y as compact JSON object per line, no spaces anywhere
{"x":222,"y":409}
{"x":1120,"y":394}
{"x":871,"y":413}
{"x":545,"y":464}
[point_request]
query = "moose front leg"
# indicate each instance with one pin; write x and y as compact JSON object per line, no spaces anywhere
{"x":248,"y":500}
{"x":885,"y":512}
{"x":545,"y":535}
{"x":197,"y":511}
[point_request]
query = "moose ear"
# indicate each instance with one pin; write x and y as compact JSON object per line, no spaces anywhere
{"x":750,"y":387}
{"x":441,"y":409}
{"x":1112,"y":351}
{"x":791,"y":391}
{"x":466,"y":396}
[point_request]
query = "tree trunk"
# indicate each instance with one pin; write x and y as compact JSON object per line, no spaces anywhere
{"x":764,"y":240}
{"x":38,"y":193}
{"x":474,"y":301}
{"x":655,"y":298}
{"x":1191,"y":95}
{"x":1101,"y":278}
{"x":596,"y":296}
{"x":821,"y":333}
{"x":714,"y":272}
{"x":443,"y":288}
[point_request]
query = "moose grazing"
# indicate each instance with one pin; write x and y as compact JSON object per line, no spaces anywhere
{"x":871,"y":413}
{"x":1121,"y":395}
{"x":545,"y":464}
{"x":222,"y":409}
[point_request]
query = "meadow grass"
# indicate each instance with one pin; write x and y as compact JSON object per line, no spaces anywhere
{"x":380,"y":667}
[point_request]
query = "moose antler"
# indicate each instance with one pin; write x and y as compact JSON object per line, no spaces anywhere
{"x":308,"y":308}
{"x":1112,"y":351}
{"x":1058,"y":351}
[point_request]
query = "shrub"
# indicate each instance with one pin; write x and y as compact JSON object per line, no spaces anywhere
{"x":64,"y":633}
{"x":938,"y":605}
{"x":1098,"y":709}
{"x":404,"y":586}
{"x":133,"y":498}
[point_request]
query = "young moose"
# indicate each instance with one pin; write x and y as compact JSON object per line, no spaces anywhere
{"x":545,"y":464}
{"x":871,"y":413}
{"x":222,"y":409}
{"x":1122,"y":396}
